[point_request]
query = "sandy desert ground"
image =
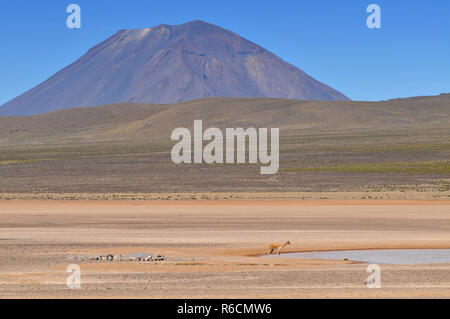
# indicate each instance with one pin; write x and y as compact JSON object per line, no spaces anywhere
{"x":212,"y":247}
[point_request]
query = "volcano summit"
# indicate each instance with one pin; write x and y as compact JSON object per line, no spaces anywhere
{"x":168,"y":64}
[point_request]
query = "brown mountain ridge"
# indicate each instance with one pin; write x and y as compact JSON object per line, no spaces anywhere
{"x":169,"y":64}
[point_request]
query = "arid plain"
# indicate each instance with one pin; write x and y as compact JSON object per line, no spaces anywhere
{"x":353,"y":175}
{"x":213,"y":248}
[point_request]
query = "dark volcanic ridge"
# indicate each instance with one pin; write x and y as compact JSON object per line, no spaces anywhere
{"x":168,"y":64}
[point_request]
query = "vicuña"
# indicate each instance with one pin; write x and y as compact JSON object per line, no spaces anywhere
{"x":277,"y":248}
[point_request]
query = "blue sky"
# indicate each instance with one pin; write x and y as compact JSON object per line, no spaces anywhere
{"x":408,"y":56}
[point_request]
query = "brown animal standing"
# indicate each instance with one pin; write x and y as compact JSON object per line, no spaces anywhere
{"x":277,"y":248}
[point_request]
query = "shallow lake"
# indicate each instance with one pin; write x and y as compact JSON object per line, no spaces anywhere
{"x":379,"y":256}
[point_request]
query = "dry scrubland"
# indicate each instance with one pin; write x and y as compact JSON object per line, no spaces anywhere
{"x":328,"y":149}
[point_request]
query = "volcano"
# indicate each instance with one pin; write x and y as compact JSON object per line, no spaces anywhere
{"x":169,"y":64}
